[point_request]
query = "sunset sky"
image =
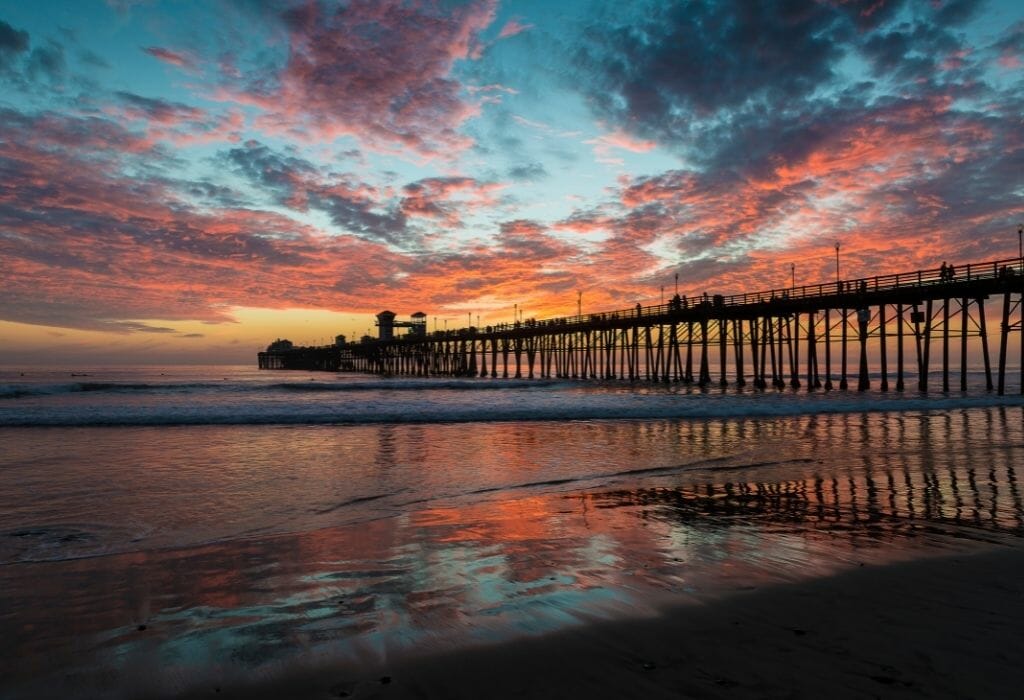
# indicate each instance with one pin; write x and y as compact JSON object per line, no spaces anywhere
{"x":186,"y":181}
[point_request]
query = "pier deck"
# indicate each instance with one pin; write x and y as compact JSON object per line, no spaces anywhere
{"x":800,"y":337}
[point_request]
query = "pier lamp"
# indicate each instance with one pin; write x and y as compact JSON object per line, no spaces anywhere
{"x":1020,"y":245}
{"x":792,"y":273}
{"x":579,"y":303}
{"x":515,"y":313}
{"x":662,"y":295}
{"x":837,"y":262}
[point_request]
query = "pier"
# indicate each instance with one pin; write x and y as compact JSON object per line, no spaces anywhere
{"x":813,"y":337}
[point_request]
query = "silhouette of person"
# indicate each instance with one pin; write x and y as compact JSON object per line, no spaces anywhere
{"x":943,"y":271}
{"x":950,"y":273}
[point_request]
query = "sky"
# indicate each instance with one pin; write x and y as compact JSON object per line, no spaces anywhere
{"x":185,"y":181}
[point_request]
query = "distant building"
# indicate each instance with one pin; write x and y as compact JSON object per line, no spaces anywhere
{"x":418,"y":326}
{"x":387,"y":324}
{"x":280,"y":345}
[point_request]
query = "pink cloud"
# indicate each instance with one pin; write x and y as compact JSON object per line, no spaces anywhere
{"x":175,"y":58}
{"x":604,"y":144}
{"x":378,"y":71}
{"x":448,"y":198}
{"x":513,"y":27}
{"x":1009,"y":60}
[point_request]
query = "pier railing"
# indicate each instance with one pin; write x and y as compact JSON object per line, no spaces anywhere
{"x":848,"y":289}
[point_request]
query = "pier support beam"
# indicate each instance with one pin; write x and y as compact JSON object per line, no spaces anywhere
{"x":863,"y":317}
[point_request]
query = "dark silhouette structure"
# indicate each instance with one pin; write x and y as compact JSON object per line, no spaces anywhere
{"x":775,"y":338}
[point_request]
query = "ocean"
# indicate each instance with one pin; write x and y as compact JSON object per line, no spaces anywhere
{"x":171,"y":529}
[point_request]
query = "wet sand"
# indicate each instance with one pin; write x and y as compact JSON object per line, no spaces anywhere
{"x":940,"y":627}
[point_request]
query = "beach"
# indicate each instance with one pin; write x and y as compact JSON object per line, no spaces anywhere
{"x":201,"y":532}
{"x":946,"y":627}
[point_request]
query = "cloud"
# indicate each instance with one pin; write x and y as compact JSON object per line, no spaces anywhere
{"x":528,"y":172}
{"x":295,"y":182}
{"x":699,"y":59}
{"x":13,"y":42}
{"x":138,"y":327}
{"x":157,"y":110}
{"x":618,"y":140}
{"x":447,"y":198}
{"x":1009,"y":48}
{"x":174,"y":58}
{"x":379,"y":71}
{"x":47,"y":62}
{"x":513,"y":27}
{"x":93,"y":59}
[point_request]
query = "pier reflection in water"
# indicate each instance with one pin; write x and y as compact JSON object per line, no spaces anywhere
{"x":780,"y":500}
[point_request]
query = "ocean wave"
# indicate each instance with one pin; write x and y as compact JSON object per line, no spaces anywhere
{"x":16,"y":391}
{"x":541,"y":406}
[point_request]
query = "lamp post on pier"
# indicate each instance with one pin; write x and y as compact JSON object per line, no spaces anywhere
{"x":579,"y":304}
{"x":1020,"y":246}
{"x":837,"y":262}
{"x":792,"y":273}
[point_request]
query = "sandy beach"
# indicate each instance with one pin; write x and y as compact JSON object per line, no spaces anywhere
{"x":947,"y":627}
{"x":872,"y":554}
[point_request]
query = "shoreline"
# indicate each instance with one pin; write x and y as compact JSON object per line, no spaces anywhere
{"x":948,"y":626}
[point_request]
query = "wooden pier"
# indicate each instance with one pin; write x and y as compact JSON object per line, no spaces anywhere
{"x":814,"y":337}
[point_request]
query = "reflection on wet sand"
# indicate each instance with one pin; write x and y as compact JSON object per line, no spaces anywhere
{"x":517,"y":562}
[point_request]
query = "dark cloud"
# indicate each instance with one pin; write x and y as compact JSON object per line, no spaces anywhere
{"x":211,"y":193}
{"x":92,"y":59}
{"x":356,"y":215}
{"x":741,"y":88}
{"x":529,"y":172}
{"x":298,"y":184}
{"x":1010,"y":45}
{"x":47,"y":62}
{"x":158,"y":110}
{"x":13,"y":42}
{"x":282,"y":174}
{"x":956,"y":12}
{"x":913,"y":53}
{"x":700,"y":58}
